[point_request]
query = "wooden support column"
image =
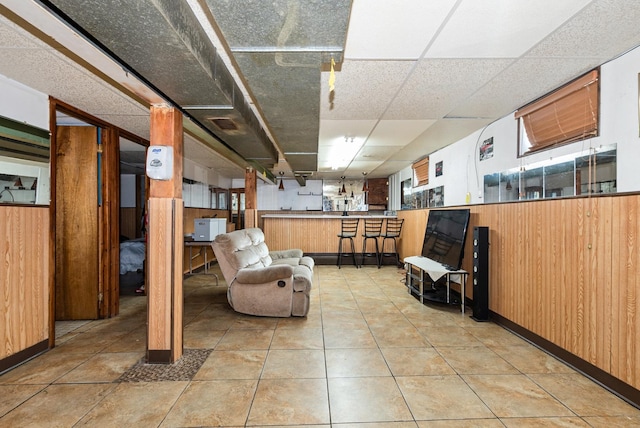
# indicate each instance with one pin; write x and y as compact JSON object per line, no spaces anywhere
{"x":250,"y":198}
{"x":165,"y":245}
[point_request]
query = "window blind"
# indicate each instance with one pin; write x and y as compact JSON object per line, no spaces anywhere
{"x":565,"y":115}
{"x":421,"y":171}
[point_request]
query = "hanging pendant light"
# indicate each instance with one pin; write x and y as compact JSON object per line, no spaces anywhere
{"x":281,"y":186}
{"x":342,"y":190}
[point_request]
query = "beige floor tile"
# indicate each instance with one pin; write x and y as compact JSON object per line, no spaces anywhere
{"x":232,"y":365}
{"x":91,"y":342}
{"x":583,"y":396}
{"x":57,"y":406}
{"x":290,"y":401}
{"x":239,"y":340}
{"x":529,"y":359}
{"x":132,"y":342}
{"x":510,"y":396}
{"x":213,"y":403}
{"x":202,"y":339}
{"x":356,"y":363}
{"x":339,"y":302}
{"x":298,"y":339}
{"x":312,"y":320}
{"x":416,"y":362}
{"x":613,"y":421}
{"x":475,"y":360}
{"x":134,"y":404}
{"x":448,"y":335}
{"x":13,"y":395}
{"x":395,"y":337}
{"x":251,"y":322}
{"x":441,"y":397}
{"x":294,"y":364}
{"x":462,"y":423}
{"x":343,"y":320}
{"x":378,"y":425}
{"x":348,"y":338}
{"x":44,"y":369}
{"x":366,"y":399}
{"x":568,"y":422}
{"x":105,"y":367}
{"x":493,"y":335}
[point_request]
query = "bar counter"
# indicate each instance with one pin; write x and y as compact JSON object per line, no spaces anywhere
{"x":315,"y":234}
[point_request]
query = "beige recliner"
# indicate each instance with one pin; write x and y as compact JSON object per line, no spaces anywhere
{"x":275,"y":284}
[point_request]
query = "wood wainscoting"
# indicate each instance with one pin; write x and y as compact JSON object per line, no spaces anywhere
{"x":24,"y":281}
{"x":566,"y":270}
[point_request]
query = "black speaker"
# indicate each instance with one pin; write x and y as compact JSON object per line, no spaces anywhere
{"x":480,"y":273}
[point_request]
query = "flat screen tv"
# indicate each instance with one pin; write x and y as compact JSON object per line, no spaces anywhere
{"x":445,"y":236}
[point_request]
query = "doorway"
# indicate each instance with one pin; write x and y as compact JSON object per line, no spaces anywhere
{"x":84,"y":216}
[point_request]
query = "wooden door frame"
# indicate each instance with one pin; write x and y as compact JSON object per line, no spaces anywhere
{"x":109,"y":214}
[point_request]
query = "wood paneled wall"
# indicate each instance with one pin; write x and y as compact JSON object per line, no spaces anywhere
{"x":567,"y":270}
{"x":129,"y":222}
{"x":24,"y":278}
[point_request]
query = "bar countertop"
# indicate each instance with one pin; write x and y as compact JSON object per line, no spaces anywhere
{"x":326,"y":216}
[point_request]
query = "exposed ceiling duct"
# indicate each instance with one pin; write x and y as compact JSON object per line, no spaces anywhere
{"x":279,"y":47}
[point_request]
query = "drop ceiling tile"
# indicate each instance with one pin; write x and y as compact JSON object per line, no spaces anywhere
{"x":383,"y":29}
{"x":356,"y":168}
{"x":375,"y":153}
{"x":363,"y":89}
{"x":523,"y":82}
{"x":439,"y":135}
{"x":438,"y":85}
{"x":590,"y":33}
{"x":11,"y":36}
{"x":499,"y":28}
{"x":388,"y":168}
{"x":333,"y":132}
{"x":397,"y":132}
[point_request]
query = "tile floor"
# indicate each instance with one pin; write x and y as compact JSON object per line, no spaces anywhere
{"x":368,"y":355}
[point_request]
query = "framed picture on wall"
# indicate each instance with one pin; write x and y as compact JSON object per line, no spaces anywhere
{"x":486,"y":149}
{"x":438,"y":169}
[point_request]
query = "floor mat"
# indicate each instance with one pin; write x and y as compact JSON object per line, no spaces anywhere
{"x":184,"y":369}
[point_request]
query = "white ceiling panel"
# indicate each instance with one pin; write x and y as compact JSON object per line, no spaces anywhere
{"x":375,"y":153}
{"x":397,"y":132}
{"x":437,"y":85}
{"x":363,"y":89}
{"x":333,"y":132}
{"x":443,"y":133}
{"x":520,"y":84}
{"x":357,"y":167}
{"x":500,"y":29}
{"x":592,"y":34}
{"x":402,"y":29}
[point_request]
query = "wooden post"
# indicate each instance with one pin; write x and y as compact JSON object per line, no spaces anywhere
{"x":250,"y":198}
{"x":165,"y":245}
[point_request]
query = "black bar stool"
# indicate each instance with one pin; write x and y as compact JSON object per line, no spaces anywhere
{"x":392,"y":231}
{"x":372,"y":230}
{"x":349,"y":231}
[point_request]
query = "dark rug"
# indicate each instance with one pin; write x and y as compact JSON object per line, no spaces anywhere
{"x":183,"y":369}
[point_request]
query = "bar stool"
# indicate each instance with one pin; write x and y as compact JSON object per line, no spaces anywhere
{"x":372,"y":230}
{"x":392,"y":231}
{"x":349,"y":231}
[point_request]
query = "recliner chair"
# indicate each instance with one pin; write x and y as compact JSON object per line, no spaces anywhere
{"x":263,"y":283}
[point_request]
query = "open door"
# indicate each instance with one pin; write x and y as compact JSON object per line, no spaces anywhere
{"x":77,"y":279}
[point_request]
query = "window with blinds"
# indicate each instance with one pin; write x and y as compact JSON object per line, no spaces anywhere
{"x":570,"y":113}
{"x":421,"y":172}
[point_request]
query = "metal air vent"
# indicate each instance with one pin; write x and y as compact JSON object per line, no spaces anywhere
{"x":224,"y":123}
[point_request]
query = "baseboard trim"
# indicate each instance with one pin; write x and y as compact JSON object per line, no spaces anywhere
{"x":23,"y":356}
{"x":623,"y":390}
